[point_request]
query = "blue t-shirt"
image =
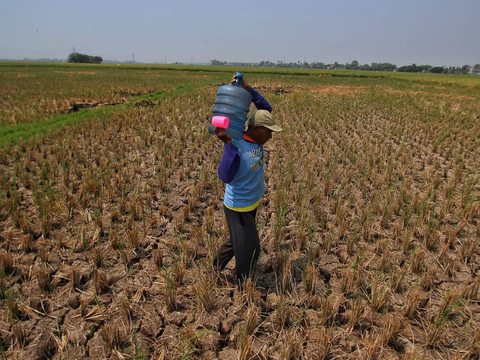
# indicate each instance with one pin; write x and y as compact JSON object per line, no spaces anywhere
{"x":247,"y":187}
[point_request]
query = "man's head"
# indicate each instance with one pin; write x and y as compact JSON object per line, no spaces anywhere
{"x":261,"y":125}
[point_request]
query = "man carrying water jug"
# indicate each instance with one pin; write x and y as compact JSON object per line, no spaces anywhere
{"x":241,"y":168}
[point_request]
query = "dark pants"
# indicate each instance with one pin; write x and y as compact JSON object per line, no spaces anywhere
{"x":243,"y":243}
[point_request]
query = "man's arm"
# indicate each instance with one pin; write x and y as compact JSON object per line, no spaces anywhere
{"x":229,"y":163}
{"x":260,"y":102}
{"x":257,"y":98}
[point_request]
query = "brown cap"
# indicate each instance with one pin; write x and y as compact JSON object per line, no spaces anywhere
{"x":263,"y":118}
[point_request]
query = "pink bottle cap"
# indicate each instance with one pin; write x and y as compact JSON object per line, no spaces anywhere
{"x":220,"y":121}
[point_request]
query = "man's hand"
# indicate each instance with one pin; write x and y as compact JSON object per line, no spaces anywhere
{"x":222,"y":135}
{"x":245,"y":85}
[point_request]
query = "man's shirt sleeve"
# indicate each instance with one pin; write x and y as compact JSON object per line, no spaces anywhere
{"x":259,"y":100}
{"x":229,"y":164}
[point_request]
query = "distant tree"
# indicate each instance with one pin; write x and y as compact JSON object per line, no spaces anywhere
{"x":318,"y":65}
{"x":408,"y":68}
{"x":217,"y":62}
{"x":266,"y":64}
{"x":451,"y":70}
{"x":465,"y":69}
{"x":72,"y":58}
{"x":353,"y":65}
{"x":336,"y":65}
{"x":383,"y":67}
{"x":437,"y":69}
{"x":84,"y":59}
{"x":415,"y":68}
{"x":476,"y":69}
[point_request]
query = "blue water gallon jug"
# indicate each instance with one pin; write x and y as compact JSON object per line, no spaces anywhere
{"x":233,"y":101}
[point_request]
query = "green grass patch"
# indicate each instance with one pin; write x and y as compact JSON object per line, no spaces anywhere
{"x":11,"y":135}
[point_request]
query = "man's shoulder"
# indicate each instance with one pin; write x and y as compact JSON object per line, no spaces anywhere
{"x":245,"y":143}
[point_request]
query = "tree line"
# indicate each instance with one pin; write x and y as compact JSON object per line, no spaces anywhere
{"x":354,"y":65}
{"x":84,"y":59}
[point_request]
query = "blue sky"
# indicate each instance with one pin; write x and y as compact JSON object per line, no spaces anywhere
{"x":435,"y":32}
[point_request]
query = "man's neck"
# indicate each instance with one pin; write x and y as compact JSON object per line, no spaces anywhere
{"x":248,"y":138}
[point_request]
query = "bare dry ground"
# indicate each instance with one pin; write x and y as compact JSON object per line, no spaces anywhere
{"x":369,"y":227}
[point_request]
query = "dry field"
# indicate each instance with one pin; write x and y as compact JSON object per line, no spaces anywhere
{"x":370,"y":224}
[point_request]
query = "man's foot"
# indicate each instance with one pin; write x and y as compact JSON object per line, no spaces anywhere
{"x":225,"y":279}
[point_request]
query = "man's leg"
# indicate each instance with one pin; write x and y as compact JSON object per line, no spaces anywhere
{"x":245,"y":240}
{"x":224,"y":255}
